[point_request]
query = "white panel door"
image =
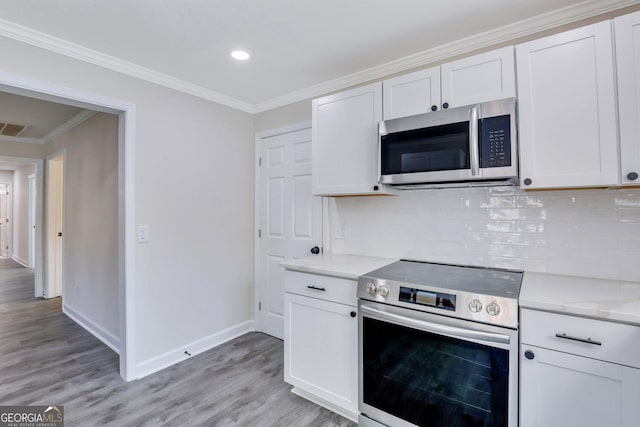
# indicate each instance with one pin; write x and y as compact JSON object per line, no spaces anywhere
{"x":290,"y":219}
{"x":410,"y":94}
{"x":562,"y":390}
{"x":479,"y":78}
{"x":627,"y":30}
{"x":568,"y":126}
{"x":55,"y":220}
{"x":4,"y":241}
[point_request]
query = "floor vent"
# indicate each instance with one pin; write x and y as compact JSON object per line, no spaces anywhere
{"x":8,"y":129}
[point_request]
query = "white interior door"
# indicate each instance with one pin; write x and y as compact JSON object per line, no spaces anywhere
{"x":290,"y":220}
{"x":32,"y":220}
{"x":55,"y":197}
{"x":4,"y":241}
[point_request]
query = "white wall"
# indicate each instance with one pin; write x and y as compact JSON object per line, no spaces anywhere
{"x":17,"y":149}
{"x":593,"y":233}
{"x":194,"y":188}
{"x":91,"y":223}
{"x":20,"y":242}
{"x":6,"y":177}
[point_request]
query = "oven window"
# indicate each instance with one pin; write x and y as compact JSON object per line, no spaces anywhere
{"x":437,"y":148}
{"x":432,"y":380}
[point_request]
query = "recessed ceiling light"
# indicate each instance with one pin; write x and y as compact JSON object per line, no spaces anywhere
{"x":240,"y":55}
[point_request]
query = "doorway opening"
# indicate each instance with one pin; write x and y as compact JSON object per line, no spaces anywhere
{"x":4,"y":220}
{"x":126,"y":113}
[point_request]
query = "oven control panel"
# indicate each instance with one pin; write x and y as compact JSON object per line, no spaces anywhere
{"x":428,"y":298}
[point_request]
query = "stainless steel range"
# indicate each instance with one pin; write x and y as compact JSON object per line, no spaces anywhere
{"x":438,"y":345}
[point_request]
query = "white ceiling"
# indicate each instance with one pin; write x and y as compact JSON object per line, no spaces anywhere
{"x":295,"y":44}
{"x":41,"y":117}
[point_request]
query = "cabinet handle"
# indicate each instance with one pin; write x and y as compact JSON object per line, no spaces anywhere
{"x":315,"y":288}
{"x":445,"y":105}
{"x":353,"y":314}
{"x":434,"y":107}
{"x":632,"y":176}
{"x":527,"y":181}
{"x":376,"y":188}
{"x":587,"y":340}
{"x":529,"y":355}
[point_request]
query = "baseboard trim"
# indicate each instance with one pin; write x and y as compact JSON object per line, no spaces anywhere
{"x":97,"y":331}
{"x":20,"y":261}
{"x":178,"y":355}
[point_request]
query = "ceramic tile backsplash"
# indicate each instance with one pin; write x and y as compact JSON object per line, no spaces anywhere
{"x":594,"y":233}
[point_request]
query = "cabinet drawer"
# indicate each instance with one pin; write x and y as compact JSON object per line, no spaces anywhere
{"x":618,"y":343}
{"x":327,"y":288}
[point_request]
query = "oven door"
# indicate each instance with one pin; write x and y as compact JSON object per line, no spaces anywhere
{"x":424,"y":369}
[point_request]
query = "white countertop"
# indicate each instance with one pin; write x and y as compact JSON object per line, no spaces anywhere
{"x":337,"y":265}
{"x":613,"y":300}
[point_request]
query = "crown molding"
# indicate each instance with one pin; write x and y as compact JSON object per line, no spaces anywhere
{"x":527,"y":27}
{"x":507,"y":33}
{"x":68,"y":125}
{"x":54,"y":44}
{"x":4,"y":138}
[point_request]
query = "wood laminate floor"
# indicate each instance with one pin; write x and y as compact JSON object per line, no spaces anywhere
{"x":47,"y":359}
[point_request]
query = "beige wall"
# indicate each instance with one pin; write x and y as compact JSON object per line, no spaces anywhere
{"x":20,"y":247}
{"x":91,"y":221}
{"x":6,"y":177}
{"x":17,"y":149}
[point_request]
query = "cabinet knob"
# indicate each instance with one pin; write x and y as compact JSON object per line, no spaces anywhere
{"x":529,"y":354}
{"x":315,"y":250}
{"x":434,"y":107}
{"x":527,"y":181}
{"x":376,"y":188}
{"x":632,"y":176}
{"x":353,"y":314}
{"x":445,"y":105}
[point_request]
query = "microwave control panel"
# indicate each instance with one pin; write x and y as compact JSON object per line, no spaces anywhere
{"x":495,"y":142}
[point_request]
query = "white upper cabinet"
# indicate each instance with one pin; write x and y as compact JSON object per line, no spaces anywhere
{"x":567,"y":104}
{"x":479,"y":78}
{"x":627,"y":32}
{"x":411,"y":94}
{"x":345,"y":142}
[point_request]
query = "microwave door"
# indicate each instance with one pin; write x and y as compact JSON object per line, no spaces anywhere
{"x":440,"y":152}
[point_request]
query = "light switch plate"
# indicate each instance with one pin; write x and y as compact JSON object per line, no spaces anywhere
{"x":143,"y":233}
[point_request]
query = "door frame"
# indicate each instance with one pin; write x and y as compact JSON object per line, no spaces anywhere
{"x":50,"y":239}
{"x":257,"y":287}
{"x":126,"y":112}
{"x":39,"y":186}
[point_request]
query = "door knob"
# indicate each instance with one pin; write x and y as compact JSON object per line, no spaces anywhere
{"x":315,"y":250}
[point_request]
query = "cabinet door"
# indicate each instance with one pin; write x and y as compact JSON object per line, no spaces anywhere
{"x":479,"y":78}
{"x":563,"y":390}
{"x":568,"y":129}
{"x":321,"y":349}
{"x":410,"y":94}
{"x":345,"y":142}
{"x":628,"y":65}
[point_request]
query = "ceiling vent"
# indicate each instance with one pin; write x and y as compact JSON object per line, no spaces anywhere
{"x":8,"y":129}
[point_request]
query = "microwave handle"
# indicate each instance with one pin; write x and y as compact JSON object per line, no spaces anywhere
{"x":474,"y":141}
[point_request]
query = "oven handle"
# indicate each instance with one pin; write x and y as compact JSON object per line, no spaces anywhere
{"x":437,"y":328}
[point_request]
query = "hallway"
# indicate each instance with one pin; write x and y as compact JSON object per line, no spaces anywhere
{"x":47,"y":359}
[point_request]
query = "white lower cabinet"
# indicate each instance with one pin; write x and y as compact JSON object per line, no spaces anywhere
{"x":565,"y":384}
{"x":321,"y":353}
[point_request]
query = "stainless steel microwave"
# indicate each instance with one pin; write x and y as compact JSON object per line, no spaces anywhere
{"x":471,"y":145}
